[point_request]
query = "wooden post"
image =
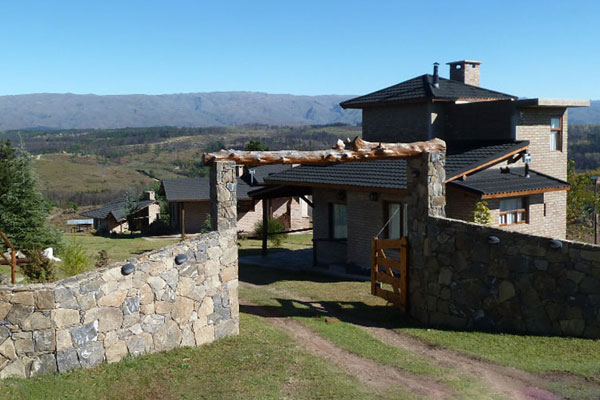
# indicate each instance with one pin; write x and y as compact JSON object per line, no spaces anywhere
{"x":265,"y":225}
{"x":403,"y":271}
{"x":183,"y":220}
{"x":374,"y":249}
{"x":13,"y":266}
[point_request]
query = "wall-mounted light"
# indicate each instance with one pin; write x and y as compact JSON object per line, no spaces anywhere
{"x":555,"y":244}
{"x":493,"y":240}
{"x":180,"y":259}
{"x":373,"y":196}
{"x":127,"y":269}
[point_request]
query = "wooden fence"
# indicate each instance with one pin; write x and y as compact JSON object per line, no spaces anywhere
{"x":13,"y":258}
{"x":386,"y":270}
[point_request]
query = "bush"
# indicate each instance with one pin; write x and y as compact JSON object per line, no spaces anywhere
{"x":273,"y":225}
{"x":482,"y":214}
{"x":75,"y":261}
{"x":39,"y":269}
{"x":101,"y":259}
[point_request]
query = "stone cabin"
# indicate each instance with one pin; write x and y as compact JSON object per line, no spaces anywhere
{"x":189,"y":201}
{"x":117,"y":217}
{"x":510,"y":152}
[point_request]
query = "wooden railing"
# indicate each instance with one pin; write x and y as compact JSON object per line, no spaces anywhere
{"x":13,"y":258}
{"x":385,"y":270}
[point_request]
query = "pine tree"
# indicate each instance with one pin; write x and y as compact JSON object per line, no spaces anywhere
{"x":23,"y":210}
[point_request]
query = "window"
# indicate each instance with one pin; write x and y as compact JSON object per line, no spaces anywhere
{"x":395,"y":213}
{"x":555,"y":134}
{"x":513,"y":211}
{"x":339,"y":226}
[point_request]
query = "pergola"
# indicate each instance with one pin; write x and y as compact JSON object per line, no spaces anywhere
{"x":356,"y":150}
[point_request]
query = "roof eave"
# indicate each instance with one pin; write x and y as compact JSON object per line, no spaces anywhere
{"x":543,"y":102}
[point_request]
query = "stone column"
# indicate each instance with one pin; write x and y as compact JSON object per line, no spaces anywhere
{"x":425,"y":176}
{"x":223,"y":198}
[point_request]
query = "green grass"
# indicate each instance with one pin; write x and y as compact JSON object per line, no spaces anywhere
{"x":537,"y":354}
{"x":261,"y":363}
{"x":120,"y":247}
{"x":250,"y":247}
{"x":352,"y":338}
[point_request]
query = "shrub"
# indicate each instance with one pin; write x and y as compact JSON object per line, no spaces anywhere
{"x":273,"y":225}
{"x":40,"y":268}
{"x":482,"y":214}
{"x":75,"y":261}
{"x":101,"y":259}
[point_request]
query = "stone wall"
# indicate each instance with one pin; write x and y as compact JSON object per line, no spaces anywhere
{"x":523,"y":283}
{"x":468,"y":276}
{"x":181,"y":295}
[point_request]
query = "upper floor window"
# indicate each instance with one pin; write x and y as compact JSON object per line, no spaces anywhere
{"x":513,"y":211}
{"x":339,"y":225}
{"x":555,"y":134}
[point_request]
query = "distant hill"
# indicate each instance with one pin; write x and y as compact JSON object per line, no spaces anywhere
{"x":66,"y":111}
{"x":586,"y":115}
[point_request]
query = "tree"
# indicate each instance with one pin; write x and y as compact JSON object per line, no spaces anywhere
{"x":255,"y":145}
{"x":23,"y":210}
{"x":482,"y":214}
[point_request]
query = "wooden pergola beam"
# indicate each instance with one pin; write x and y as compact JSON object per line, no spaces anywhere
{"x":350,"y":151}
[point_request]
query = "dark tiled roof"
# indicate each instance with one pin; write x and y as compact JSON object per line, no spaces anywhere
{"x":491,"y":181}
{"x":390,"y":174}
{"x":466,"y":155}
{"x":261,"y":172}
{"x":421,"y":88}
{"x":197,"y":189}
{"x":117,"y":208}
{"x":186,"y":189}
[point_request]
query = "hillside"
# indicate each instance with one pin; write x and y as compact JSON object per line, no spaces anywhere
{"x":586,"y":115}
{"x":66,"y":111}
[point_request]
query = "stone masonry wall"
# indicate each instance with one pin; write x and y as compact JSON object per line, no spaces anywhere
{"x":523,"y":283}
{"x":181,"y":295}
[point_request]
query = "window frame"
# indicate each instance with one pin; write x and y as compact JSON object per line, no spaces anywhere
{"x":524,"y":210}
{"x":401,"y":221}
{"x":558,"y":132}
{"x":332,"y":221}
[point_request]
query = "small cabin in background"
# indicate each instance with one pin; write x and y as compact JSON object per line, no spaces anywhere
{"x":124,"y":216}
{"x":189,"y":202}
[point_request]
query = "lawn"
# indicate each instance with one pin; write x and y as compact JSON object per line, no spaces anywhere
{"x":250,"y":247}
{"x":118,"y":247}
{"x":261,"y":363}
{"x":549,"y":356}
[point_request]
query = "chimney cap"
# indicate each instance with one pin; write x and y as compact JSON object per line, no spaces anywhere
{"x":464,"y":62}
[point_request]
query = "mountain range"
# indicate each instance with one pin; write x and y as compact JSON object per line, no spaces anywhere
{"x":72,"y":111}
{"x":65,"y":111}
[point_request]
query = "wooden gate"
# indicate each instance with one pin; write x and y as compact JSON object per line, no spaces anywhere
{"x":386,"y":270}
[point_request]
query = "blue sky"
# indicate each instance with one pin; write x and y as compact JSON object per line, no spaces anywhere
{"x":529,"y":48}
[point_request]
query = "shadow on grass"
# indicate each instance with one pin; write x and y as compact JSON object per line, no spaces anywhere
{"x":357,"y":313}
{"x":265,"y":276}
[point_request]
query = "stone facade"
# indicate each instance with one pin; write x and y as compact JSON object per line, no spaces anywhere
{"x":181,"y":295}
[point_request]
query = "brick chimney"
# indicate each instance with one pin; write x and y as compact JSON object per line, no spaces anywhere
{"x":465,"y":71}
{"x":149,"y":195}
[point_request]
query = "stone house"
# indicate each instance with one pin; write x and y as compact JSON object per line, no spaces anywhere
{"x":507,"y":151}
{"x":122,"y":216}
{"x":189,"y":202}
